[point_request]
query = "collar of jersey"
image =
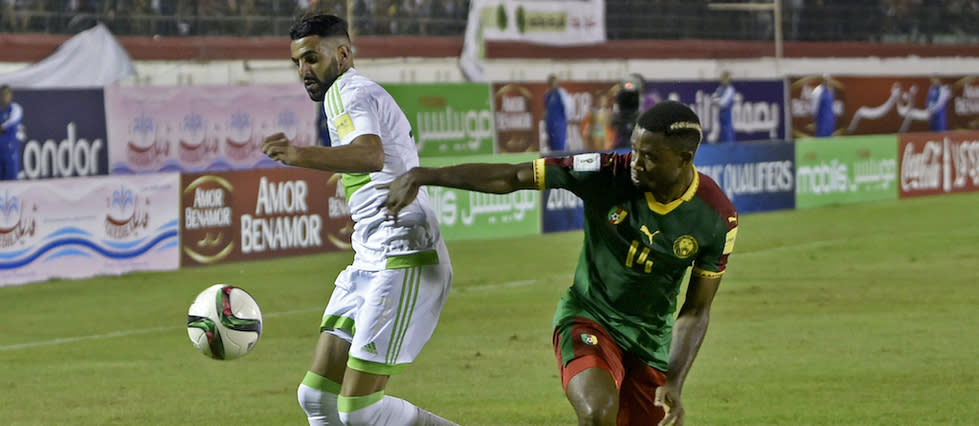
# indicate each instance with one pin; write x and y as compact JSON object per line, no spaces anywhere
{"x":660,"y":208}
{"x":349,"y":71}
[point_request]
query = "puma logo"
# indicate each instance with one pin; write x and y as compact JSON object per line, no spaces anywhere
{"x":645,"y":230}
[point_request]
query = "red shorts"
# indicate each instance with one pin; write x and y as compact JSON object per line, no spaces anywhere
{"x":586,"y":344}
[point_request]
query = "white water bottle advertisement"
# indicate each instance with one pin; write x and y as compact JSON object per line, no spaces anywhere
{"x":203,"y":128}
{"x":84,"y":227}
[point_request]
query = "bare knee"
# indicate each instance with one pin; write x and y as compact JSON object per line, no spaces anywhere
{"x":597,"y":413}
{"x":595,"y":397}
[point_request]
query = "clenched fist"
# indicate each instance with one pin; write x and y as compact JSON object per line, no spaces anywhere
{"x":279,"y":148}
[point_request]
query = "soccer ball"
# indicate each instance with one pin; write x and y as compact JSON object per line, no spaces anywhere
{"x":224,"y":322}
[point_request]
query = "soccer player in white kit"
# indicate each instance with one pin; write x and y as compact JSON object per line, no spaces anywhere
{"x":386,"y":304}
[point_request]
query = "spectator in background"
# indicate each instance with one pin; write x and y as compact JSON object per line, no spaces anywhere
{"x":795,"y":8}
{"x":10,"y":116}
{"x":723,"y":98}
{"x":938,"y":96}
{"x":595,"y":129}
{"x":8,"y":21}
{"x":824,"y":119}
{"x":625,"y":112}
{"x":557,"y":110}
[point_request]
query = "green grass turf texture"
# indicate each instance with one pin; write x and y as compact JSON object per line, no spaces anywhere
{"x":861,"y":314}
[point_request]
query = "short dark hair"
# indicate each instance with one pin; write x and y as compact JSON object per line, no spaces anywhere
{"x":4,"y":87}
{"x":677,"y":122}
{"x":318,"y":24}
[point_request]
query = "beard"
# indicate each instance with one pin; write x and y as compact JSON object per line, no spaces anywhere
{"x":316,"y":87}
{"x":315,"y":91}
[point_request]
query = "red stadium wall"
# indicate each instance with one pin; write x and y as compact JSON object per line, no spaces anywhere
{"x":34,"y":47}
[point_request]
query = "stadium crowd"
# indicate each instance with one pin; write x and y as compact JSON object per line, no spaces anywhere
{"x":924,"y":21}
{"x":228,"y":17}
{"x":809,"y":20}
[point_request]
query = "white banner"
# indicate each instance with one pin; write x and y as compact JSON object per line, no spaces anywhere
{"x":203,"y":128}
{"x":83,"y":227}
{"x":92,"y":58}
{"x":549,"y":22}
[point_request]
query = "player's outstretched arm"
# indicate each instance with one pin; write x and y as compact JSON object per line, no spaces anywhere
{"x":362,"y":155}
{"x":688,"y":334}
{"x":490,"y":178}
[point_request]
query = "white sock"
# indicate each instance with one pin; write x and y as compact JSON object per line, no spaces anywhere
{"x":377,"y":409}
{"x":318,"y":398}
{"x":426,"y":418}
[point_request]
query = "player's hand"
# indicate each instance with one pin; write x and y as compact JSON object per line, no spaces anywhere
{"x":401,"y":192}
{"x":668,"y":397}
{"x":279,"y":148}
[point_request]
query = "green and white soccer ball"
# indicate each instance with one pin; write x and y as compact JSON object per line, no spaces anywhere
{"x":224,"y":322}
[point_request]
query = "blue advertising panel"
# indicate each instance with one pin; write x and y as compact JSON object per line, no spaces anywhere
{"x":62,"y":133}
{"x":758,"y":112}
{"x":561,"y":210}
{"x":758,"y":176}
{"x":755,"y":176}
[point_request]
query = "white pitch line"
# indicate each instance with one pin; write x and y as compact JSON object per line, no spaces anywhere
{"x":64,"y":340}
{"x":840,"y":241}
{"x":83,"y":338}
{"x":788,"y":247}
{"x":497,"y":286}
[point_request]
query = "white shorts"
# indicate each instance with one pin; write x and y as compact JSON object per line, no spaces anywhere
{"x":389,"y":315}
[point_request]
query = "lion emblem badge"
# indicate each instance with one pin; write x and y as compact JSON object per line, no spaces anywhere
{"x":685,"y":246}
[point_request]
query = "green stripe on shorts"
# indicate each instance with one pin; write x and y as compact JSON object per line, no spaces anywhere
{"x":406,"y":309}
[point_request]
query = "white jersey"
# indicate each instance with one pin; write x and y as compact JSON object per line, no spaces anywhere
{"x":357,"y":106}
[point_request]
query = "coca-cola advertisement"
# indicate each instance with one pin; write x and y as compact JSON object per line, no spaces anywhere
{"x":937,"y":163}
{"x":883,"y":104}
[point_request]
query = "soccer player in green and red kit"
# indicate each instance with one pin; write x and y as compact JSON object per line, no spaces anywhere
{"x":649,"y":215}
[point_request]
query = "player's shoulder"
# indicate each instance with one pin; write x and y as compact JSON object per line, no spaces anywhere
{"x":711,"y":193}
{"x":353,"y":81}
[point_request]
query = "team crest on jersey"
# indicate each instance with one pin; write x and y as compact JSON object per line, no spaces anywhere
{"x":685,"y":246}
{"x":589,"y":339}
{"x":616,"y":215}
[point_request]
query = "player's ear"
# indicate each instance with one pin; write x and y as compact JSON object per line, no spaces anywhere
{"x":686,"y":157}
{"x":344,"y":52}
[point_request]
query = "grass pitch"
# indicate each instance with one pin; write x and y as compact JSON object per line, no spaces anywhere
{"x":862,"y":314}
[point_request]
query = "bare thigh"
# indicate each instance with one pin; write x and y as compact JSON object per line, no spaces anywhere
{"x":330,"y":357}
{"x":330,"y":361}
